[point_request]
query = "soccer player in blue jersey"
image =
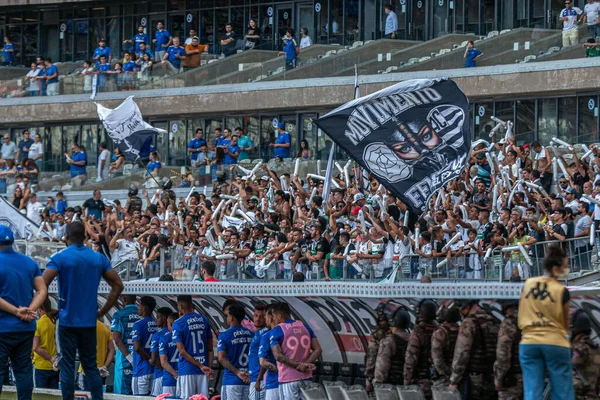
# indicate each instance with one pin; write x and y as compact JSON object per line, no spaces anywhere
{"x":254,"y":362}
{"x":268,"y":364}
{"x":232,"y":351}
{"x":161,"y":324}
{"x":122,"y":324}
{"x":141,"y":334}
{"x":169,"y":358}
{"x":193,"y":337}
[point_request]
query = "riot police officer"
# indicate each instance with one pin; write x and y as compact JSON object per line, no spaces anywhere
{"x":443,"y":342}
{"x":508,"y":377}
{"x":586,"y":358}
{"x":373,"y":347}
{"x":390,"y":357}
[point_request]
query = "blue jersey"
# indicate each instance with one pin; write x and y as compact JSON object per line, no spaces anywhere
{"x":283,"y":152}
{"x":235,"y":342}
{"x":154,"y":349}
{"x":61,"y":206}
{"x":162,"y":37}
{"x":138,"y":39}
{"x":471,"y":55}
{"x":290,"y":49}
{"x":142,"y":331}
{"x":99,"y":52}
{"x":277,"y":333}
{"x":168,"y":347}
{"x":17,"y":273}
{"x":77,"y":170}
{"x":172,"y":51}
{"x":254,"y":363}
{"x":129,"y":66}
{"x":8,"y":55}
{"x":231,"y":149}
{"x":193,"y":330}
{"x":265,"y":352}
{"x":79,"y":272}
{"x":122,"y":322}
{"x":196,"y":144}
{"x":52,"y":70}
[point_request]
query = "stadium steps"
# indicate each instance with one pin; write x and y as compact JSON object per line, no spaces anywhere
{"x":327,"y":66}
{"x":9,"y":73}
{"x":496,"y":48}
{"x":399,"y":57}
{"x":536,"y":46}
{"x":306,"y":56}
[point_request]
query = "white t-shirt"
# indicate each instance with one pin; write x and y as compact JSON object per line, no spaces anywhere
{"x":33,"y":86}
{"x":104,"y":156}
{"x":305,"y":42}
{"x":33,"y":212}
{"x":571,"y":15}
{"x":35,"y":150}
{"x":126,"y":250}
{"x":591,"y":10}
{"x":87,"y":78}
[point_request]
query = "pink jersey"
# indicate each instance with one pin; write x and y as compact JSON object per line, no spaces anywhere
{"x":246,"y":323}
{"x":295,"y":346}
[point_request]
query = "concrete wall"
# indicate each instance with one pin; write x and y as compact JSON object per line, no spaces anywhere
{"x":325,"y":66}
{"x":509,"y":81}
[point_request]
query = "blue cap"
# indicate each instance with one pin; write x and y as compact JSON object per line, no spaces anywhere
{"x":6,"y":236}
{"x":281,"y":125}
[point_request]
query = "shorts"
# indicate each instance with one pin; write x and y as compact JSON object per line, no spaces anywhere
{"x":52,"y":89}
{"x":234,"y":392}
{"x":189,"y":385}
{"x":170,"y":390}
{"x":142,"y":385}
{"x":253,"y":395}
{"x":157,"y":386}
{"x":272,"y":394}
{"x":291,"y":390}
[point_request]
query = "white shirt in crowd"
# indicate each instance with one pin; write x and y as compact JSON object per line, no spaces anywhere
{"x":33,"y":85}
{"x":305,"y":42}
{"x":87,"y":78}
{"x":103,"y":172}
{"x":572,"y":15}
{"x":125,"y":250}
{"x":592,"y":10}
{"x":33,"y":212}
{"x":35,"y":150}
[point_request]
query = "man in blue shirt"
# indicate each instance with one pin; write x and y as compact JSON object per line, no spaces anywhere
{"x":145,"y":49}
{"x":103,"y":70}
{"x":233,"y":349}
{"x":268,"y":364}
{"x":171,"y":61}
{"x":471,"y":54}
{"x":254,"y":362}
{"x":290,"y":49}
{"x":102,"y":50}
{"x":161,"y":323}
{"x":193,"y":337}
{"x":20,"y":277}
{"x":195,"y":144}
{"x":7,"y":51}
{"x":391,"y":22}
{"x":78,"y":164}
{"x":283,"y":143}
{"x":232,"y":151}
{"x":23,"y":147}
{"x":122,"y":324}
{"x":51,"y":76}
{"x":79,"y":270}
{"x":139,"y":38}
{"x":141,"y":335}
{"x":169,"y":357}
{"x":162,"y":40}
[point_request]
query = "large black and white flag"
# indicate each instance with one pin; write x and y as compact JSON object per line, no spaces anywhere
{"x":413,"y":136}
{"x":127,"y":128}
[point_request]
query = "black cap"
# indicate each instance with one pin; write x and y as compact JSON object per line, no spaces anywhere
{"x":580,"y":323}
{"x":427,"y":310}
{"x":153,"y":208}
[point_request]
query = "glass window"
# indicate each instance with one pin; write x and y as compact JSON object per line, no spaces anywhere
{"x":209,"y":129}
{"x":30,"y":46}
{"x":113,"y":39}
{"x":267,"y":136}
{"x":97,"y":32}
{"x":140,"y":9}
{"x":66,"y":13}
{"x":89,"y":140}
{"x":525,"y":123}
{"x":177,"y":143}
{"x":265,"y":23}
{"x":309,"y":133}
{"x":483,"y":121}
{"x":156,"y":6}
{"x":81,"y":39}
{"x":207,"y":33}
{"x":567,"y":115}
{"x":193,"y":4}
{"x":546,"y":120}
{"x":162,"y":141}
{"x":175,"y":5}
{"x":252,"y":131}
{"x":53,"y":151}
{"x":237,"y":20}
{"x":588,"y":119}
{"x":80,"y":12}
{"x":321,"y":33}
{"x":97,"y":12}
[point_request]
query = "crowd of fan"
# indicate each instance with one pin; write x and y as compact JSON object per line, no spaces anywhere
{"x":261,"y":224}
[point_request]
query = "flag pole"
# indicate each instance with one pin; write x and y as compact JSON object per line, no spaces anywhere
{"x":138,"y":159}
{"x":330,"y":162}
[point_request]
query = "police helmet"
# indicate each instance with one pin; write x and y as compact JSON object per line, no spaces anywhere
{"x":167,"y":183}
{"x":462,"y":303}
{"x":133,"y":190}
{"x":77,"y":210}
{"x":449,"y":312}
{"x":401,"y":319}
{"x":580,"y":323}
{"x":427,"y":310}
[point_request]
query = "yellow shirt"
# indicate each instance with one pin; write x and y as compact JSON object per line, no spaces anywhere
{"x":102,"y":338}
{"x":541,"y":312}
{"x":45,"y":331}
